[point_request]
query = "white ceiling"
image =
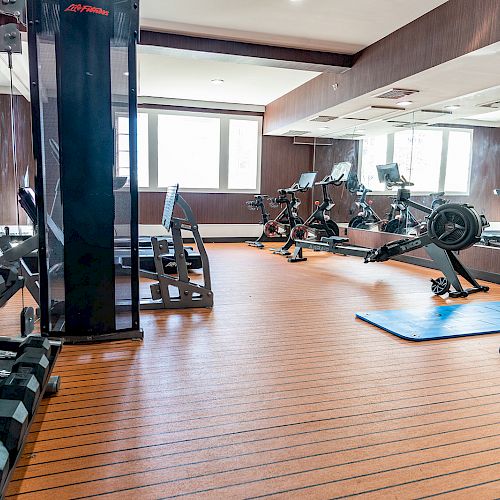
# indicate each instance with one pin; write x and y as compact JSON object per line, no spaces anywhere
{"x":467,"y":81}
{"x":345,"y":26}
{"x":162,"y":74}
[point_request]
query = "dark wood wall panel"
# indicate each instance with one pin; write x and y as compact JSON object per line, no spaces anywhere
{"x":282,"y":163}
{"x":249,"y":53}
{"x":453,"y":29}
{"x":25,"y":161}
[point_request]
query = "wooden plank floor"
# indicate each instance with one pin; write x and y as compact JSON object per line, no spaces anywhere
{"x":279,"y":391}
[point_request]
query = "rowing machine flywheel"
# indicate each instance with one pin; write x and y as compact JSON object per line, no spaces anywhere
{"x":454,"y":226}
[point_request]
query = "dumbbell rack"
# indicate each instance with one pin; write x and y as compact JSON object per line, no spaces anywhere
{"x":26,"y":365}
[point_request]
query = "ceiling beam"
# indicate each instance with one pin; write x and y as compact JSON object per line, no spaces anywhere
{"x":250,"y":53}
{"x":454,"y":29}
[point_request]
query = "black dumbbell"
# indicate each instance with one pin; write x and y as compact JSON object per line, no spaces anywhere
{"x":22,"y":387}
{"x":4,"y":464}
{"x":35,"y":341}
{"x":33,"y":361}
{"x":13,"y":424}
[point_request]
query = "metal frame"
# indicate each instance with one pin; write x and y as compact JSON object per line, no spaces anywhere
{"x":35,"y":26}
{"x":259,"y":204}
{"x":186,"y":294}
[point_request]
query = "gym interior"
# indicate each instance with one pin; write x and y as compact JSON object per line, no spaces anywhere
{"x":249,"y":249}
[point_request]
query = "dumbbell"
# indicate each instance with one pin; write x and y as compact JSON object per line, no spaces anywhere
{"x":32,"y":361}
{"x":4,"y":464}
{"x":13,"y":424}
{"x":22,"y":387}
{"x":37,"y":342}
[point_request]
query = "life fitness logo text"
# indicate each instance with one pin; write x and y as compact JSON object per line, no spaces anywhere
{"x":90,"y":9}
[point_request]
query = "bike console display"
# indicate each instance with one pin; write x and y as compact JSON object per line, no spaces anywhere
{"x":340,"y":172}
{"x":306,"y":181}
{"x":389,"y":173}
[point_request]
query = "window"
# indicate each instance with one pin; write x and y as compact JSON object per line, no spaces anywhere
{"x":458,"y":162}
{"x":123,"y":154}
{"x":208,"y":152}
{"x":188,"y":151}
{"x":374,"y":153}
{"x":433,"y":159}
{"x":243,"y":154}
{"x":418,"y":154}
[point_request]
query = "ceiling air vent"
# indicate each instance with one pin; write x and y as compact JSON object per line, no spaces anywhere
{"x":370,"y":113}
{"x":323,"y":119}
{"x":350,"y":136}
{"x":422,"y":115}
{"x":396,"y":93}
{"x":409,"y":125}
{"x":493,"y":105}
{"x":294,"y":133}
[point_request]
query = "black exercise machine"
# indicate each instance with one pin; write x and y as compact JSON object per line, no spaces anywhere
{"x":319,"y":224}
{"x":177,"y":292}
{"x":277,"y":231}
{"x":85,"y":84}
{"x":304,"y":184}
{"x":366,"y":216}
{"x":400,"y":220}
{"x":450,"y":228}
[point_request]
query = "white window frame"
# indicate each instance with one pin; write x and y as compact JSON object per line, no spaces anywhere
{"x":154,"y":113}
{"x":444,"y":160}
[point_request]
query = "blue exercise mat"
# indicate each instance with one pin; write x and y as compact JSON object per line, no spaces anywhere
{"x":440,"y":322}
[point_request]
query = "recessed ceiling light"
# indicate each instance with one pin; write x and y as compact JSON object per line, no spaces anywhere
{"x":453,"y":107}
{"x":217,"y":81}
{"x":324,"y":128}
{"x":403,"y":104}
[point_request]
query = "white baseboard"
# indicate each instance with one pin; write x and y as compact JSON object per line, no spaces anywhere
{"x":210,"y":230}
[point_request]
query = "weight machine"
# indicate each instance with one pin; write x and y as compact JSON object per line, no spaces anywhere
{"x":83,"y":76}
{"x":26,"y":362}
{"x":178,"y":292}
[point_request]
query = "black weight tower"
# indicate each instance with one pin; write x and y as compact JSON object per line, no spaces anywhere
{"x":83,"y":77}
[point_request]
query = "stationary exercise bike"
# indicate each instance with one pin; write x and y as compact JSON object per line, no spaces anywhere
{"x":366,"y":216}
{"x":291,"y":203}
{"x":319,"y":224}
{"x":400,"y":219}
{"x":450,"y":228}
{"x":278,"y":230}
{"x":288,"y":218}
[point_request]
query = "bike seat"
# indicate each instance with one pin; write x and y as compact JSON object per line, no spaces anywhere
{"x":437,"y":195}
